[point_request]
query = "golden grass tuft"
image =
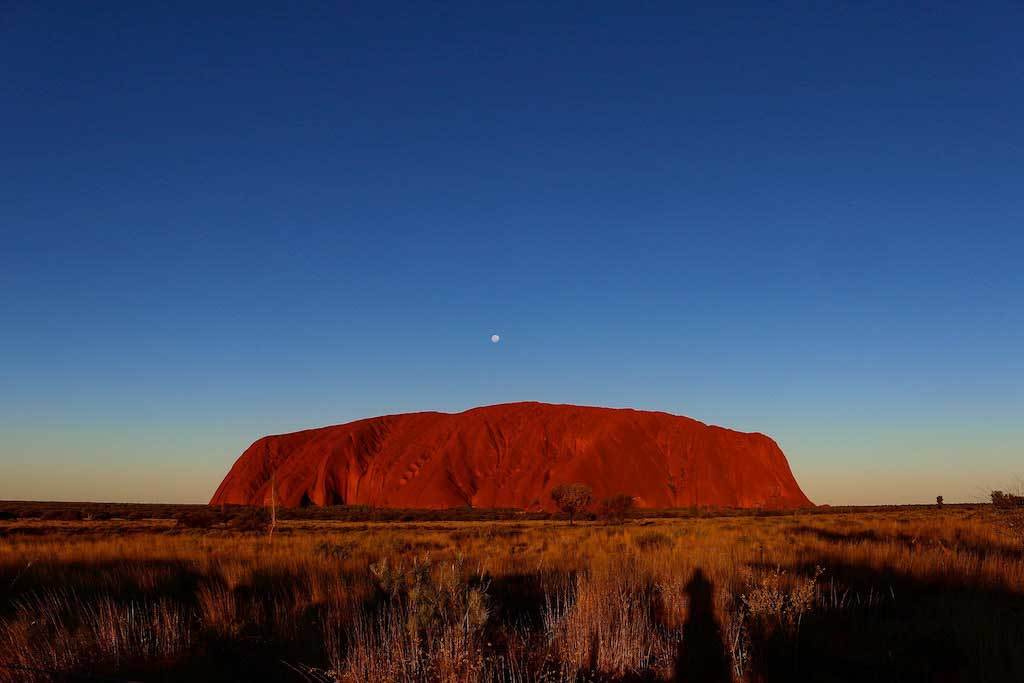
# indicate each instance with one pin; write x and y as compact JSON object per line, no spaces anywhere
{"x":914,"y":594}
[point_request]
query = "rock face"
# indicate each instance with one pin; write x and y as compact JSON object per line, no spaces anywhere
{"x":511,"y":456}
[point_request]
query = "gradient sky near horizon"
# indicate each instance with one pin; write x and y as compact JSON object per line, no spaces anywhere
{"x":225,"y":221}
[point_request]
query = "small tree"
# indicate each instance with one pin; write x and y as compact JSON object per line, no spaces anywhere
{"x":572,"y":499}
{"x":616,"y":508}
{"x":938,"y":501}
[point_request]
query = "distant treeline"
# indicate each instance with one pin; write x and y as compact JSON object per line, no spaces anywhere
{"x":1007,"y":500}
{"x":61,"y":511}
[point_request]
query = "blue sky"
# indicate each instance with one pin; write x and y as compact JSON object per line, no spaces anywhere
{"x":222,"y":223}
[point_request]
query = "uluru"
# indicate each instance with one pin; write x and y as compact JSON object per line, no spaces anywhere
{"x":511,"y":456}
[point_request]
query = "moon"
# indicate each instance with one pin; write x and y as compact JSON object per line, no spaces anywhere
{"x":495,"y":339}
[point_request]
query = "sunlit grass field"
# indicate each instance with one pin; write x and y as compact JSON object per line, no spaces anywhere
{"x":912,"y":594}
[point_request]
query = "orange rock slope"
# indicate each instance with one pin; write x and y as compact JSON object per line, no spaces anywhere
{"x":511,"y":456}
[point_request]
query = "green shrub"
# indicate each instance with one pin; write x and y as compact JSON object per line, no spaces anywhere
{"x":334,"y":551}
{"x":62,"y":515}
{"x":652,"y":540}
{"x":616,"y":508}
{"x":250,"y":519}
{"x":196,"y":519}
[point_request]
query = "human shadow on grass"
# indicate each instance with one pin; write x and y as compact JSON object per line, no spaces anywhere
{"x":702,"y":657}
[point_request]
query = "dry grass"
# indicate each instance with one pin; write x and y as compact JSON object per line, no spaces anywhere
{"x":884,"y":595}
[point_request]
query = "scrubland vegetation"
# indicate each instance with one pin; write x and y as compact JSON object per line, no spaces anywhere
{"x":922,"y":594}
